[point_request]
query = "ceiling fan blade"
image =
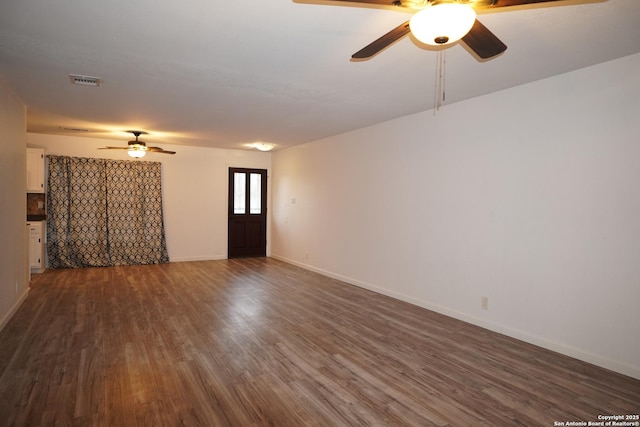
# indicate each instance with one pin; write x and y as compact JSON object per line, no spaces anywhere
{"x":379,"y":2}
{"x":506,"y":3}
{"x":160,"y":150}
{"x":483,"y":42}
{"x":113,"y":148}
{"x":384,"y":41}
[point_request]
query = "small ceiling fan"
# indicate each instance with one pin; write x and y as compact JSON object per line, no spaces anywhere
{"x":138,"y":148}
{"x":443,"y":22}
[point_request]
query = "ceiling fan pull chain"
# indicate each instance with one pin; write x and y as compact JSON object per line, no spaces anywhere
{"x":443,"y":73}
{"x":436,"y":87}
{"x":439,"y":89}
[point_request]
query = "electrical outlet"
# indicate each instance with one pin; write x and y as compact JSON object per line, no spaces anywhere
{"x":484,"y":303}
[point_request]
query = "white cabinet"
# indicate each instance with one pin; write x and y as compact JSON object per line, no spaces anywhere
{"x":36,"y":246}
{"x":35,"y":170}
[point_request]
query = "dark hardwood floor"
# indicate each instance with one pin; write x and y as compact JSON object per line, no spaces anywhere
{"x":257,"y":342}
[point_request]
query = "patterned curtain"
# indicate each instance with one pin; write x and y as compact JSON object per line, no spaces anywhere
{"x":104,"y":213}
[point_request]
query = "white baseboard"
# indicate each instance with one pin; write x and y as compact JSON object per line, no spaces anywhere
{"x":14,"y":308}
{"x":558,"y":347}
{"x":198,"y":258}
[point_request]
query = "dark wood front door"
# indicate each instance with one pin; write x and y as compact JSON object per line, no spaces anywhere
{"x":247,"y":213}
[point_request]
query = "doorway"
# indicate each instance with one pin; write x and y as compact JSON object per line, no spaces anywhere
{"x":247,"y":213}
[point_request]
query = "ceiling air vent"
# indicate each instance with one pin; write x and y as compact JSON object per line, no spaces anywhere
{"x":70,"y":129}
{"x":78,"y":79}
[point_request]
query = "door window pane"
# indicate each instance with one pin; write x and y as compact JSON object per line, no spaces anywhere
{"x":255,"y":193}
{"x":239,"y":188}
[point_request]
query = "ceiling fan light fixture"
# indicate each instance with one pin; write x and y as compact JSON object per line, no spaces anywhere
{"x":442,"y":23}
{"x":137,"y":151}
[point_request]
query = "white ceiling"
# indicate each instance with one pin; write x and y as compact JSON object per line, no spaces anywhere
{"x":224,"y":74}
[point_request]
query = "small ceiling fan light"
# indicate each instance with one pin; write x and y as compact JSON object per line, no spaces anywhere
{"x":136,"y":152}
{"x":442,"y":24}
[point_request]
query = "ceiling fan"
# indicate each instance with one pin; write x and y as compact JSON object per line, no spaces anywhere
{"x":443,"y":22}
{"x":138,"y":148}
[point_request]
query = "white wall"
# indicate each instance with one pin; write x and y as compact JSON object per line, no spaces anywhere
{"x":194,"y":189}
{"x":14,"y":275}
{"x":528,"y":196}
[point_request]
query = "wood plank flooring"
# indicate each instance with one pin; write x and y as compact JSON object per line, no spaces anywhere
{"x":257,"y":342}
